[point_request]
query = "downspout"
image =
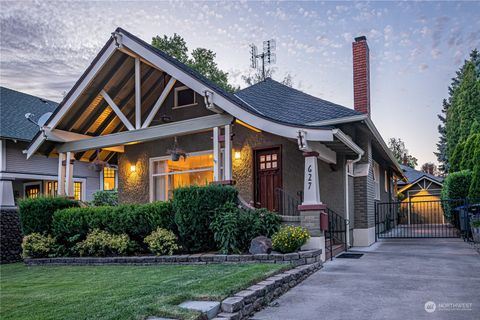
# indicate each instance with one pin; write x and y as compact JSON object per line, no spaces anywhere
{"x":347,"y":204}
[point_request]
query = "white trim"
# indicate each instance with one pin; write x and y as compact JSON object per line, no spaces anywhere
{"x":159,"y":102}
{"x":355,"y":118}
{"x":189,"y":126}
{"x":175,"y":98}
{"x":14,"y":175}
{"x":347,"y":140}
{"x":117,"y":110}
{"x":408,"y":186}
{"x":69,"y":175}
{"x":138,"y":95}
{"x":75,"y":94}
{"x":3,"y":155}
{"x":34,"y":183}
{"x":227,"y":154}
{"x":61,"y":175}
{"x":216,"y":154}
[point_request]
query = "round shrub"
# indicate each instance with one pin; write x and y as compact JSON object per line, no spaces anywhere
{"x":36,"y":213}
{"x":105,"y":198}
{"x":36,"y":245}
{"x":102,"y":244}
{"x":162,"y":242}
{"x":289,"y":239}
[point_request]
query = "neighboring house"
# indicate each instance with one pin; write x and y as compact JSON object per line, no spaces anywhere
{"x":142,"y":109}
{"x":38,"y":175}
{"x":421,"y":192}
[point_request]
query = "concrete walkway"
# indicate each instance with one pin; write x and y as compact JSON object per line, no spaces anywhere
{"x":393,"y":280}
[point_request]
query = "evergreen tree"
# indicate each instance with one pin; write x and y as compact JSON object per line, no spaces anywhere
{"x":442,"y":142}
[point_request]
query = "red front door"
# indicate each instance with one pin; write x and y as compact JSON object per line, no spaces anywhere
{"x":268,"y":177}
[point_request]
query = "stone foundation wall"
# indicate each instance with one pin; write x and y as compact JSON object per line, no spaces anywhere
{"x":296,"y":259}
{"x":10,"y":236}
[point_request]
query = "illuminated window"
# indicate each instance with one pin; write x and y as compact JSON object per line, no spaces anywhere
{"x":32,"y":190}
{"x":77,"y":190}
{"x":168,"y":175}
{"x":109,"y":179}
{"x":51,"y":188}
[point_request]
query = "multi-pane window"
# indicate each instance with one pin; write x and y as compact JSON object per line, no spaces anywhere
{"x":184,"y":97}
{"x":77,"y":190}
{"x":166,"y":175}
{"x":269,"y":161}
{"x":51,"y":188}
{"x":109,"y":179}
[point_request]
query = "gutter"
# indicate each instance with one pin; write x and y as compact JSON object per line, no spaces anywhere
{"x":340,"y":135}
{"x":355,"y":118}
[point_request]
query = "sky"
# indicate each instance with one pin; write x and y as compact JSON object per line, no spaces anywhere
{"x":415,"y":48}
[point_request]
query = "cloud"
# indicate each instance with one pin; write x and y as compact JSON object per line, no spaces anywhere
{"x":422,"y":67}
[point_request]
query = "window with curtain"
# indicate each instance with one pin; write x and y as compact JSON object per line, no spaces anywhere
{"x":166,"y":175}
{"x":109,"y":178}
{"x":77,"y":190}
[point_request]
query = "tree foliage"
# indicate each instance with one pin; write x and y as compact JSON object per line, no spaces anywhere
{"x":200,"y":59}
{"x":400,"y":152}
{"x":430,"y":168}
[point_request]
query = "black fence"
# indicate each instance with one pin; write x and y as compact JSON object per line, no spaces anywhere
{"x":425,"y":218}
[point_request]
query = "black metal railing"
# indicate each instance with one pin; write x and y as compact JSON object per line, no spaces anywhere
{"x":336,"y":233}
{"x":419,"y":218}
{"x":287,"y":203}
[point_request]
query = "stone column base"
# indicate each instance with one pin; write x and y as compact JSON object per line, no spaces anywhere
{"x":315,"y":243}
{"x":363,"y":237}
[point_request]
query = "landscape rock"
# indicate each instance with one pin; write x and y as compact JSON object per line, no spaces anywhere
{"x":260,"y":244}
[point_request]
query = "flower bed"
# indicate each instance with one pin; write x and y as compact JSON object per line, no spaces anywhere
{"x":296,"y":259}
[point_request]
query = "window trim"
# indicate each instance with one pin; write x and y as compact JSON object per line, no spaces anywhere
{"x":376,"y":180}
{"x":151,"y":175}
{"x":116,"y":179}
{"x":175,"y":98}
{"x":33,"y":183}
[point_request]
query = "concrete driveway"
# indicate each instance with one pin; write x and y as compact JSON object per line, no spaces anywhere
{"x":393,"y":280}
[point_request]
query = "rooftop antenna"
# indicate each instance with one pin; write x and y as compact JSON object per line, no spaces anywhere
{"x":266,"y":56}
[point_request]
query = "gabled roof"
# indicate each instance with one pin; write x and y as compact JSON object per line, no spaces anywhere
{"x":413,"y":176}
{"x":13,"y":107}
{"x":285,"y":104}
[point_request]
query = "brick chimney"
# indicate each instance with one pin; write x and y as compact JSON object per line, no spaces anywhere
{"x":361,"y":75}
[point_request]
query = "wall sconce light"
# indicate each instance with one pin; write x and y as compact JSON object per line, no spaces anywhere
{"x":237,"y":155}
{"x":133,"y":168}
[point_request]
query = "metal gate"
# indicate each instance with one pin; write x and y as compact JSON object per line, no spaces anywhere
{"x":420,"y":219}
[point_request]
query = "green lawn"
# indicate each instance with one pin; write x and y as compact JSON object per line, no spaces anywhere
{"x":118,"y":292}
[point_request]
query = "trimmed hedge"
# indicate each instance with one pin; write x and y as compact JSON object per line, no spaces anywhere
{"x":137,"y":221}
{"x":455,"y":187}
{"x":105,"y":198}
{"x":194,"y":209}
{"x":36,"y":213}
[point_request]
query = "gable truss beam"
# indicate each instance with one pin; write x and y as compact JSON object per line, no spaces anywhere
{"x":117,"y":110}
{"x":190,"y":126}
{"x":138,"y":98}
{"x":159,"y":102}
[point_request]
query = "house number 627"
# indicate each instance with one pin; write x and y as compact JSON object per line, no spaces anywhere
{"x":309,"y":170}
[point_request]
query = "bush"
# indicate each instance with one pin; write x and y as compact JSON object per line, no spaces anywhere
{"x":102,"y":244}
{"x":137,"y":221}
{"x":234,"y":228}
{"x":455,"y":187}
{"x":36,"y":213}
{"x":105,"y":198}
{"x":36,"y":245}
{"x":194,"y":209}
{"x":289,"y":239}
{"x":162,"y":242}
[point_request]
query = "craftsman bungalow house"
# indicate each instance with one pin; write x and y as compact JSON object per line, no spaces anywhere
{"x":165,"y":126}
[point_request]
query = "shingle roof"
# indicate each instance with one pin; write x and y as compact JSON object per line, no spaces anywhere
{"x":413,"y":175}
{"x":283,"y":103}
{"x":13,"y":107}
{"x":262,"y":99}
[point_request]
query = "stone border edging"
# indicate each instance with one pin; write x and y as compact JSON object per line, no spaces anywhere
{"x":296,"y":259}
{"x":244,"y":303}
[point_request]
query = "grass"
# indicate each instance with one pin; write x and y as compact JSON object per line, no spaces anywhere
{"x":118,"y":292}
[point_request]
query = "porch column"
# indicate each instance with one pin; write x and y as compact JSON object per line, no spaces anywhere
{"x":69,"y":175}
{"x":227,"y":156}
{"x":7,"y":200}
{"x":61,"y":174}
{"x":312,"y":208}
{"x":216,"y":154}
